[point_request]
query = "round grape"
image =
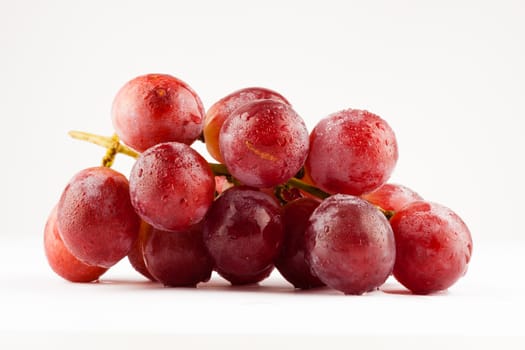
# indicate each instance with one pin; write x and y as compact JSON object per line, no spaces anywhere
{"x":351,"y":152}
{"x":95,"y":217}
{"x":243,"y":232}
{"x":177,"y":259}
{"x":349,"y":244}
{"x":171,"y":186}
{"x":60,"y":259}
{"x":264,"y":143}
{"x":433,"y":246}
{"x":222,"y":109}
{"x":157,"y":108}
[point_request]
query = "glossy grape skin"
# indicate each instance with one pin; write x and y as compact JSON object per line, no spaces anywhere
{"x":433,"y":246}
{"x":352,"y":152}
{"x":392,"y":197}
{"x":349,"y":244}
{"x":222,"y":109}
{"x":136,"y":254}
{"x":95,"y":217}
{"x":60,"y":259}
{"x":157,"y":108}
{"x":171,"y":186}
{"x":264,"y":143}
{"x":291,"y":261}
{"x":177,"y":259}
{"x":239,"y":280}
{"x":243,"y":232}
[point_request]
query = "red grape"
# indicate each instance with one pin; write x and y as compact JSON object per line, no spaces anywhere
{"x":239,"y":280}
{"x":243,"y":232}
{"x":171,"y":186}
{"x":291,"y":261}
{"x":136,"y":254}
{"x":177,"y":259}
{"x":433,"y":246}
{"x":392,"y":197}
{"x":352,"y":152}
{"x":65,"y":264}
{"x":157,"y":108}
{"x":95,"y":217}
{"x":264,"y":143}
{"x":222,"y":109}
{"x":349,"y":244}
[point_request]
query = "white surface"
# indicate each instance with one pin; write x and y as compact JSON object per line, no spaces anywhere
{"x":487,"y":301}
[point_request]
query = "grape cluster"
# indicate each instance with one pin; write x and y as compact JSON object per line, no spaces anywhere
{"x":315,"y":206}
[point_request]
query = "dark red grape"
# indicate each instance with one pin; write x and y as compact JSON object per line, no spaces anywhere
{"x":157,"y":108}
{"x":171,"y":186}
{"x":349,"y":244}
{"x":291,"y":261}
{"x":392,"y":197}
{"x":95,"y":217}
{"x":239,"y":280}
{"x":352,"y":152}
{"x":222,"y":109}
{"x":177,"y":259}
{"x":264,"y":143}
{"x":433,"y":246}
{"x":63,"y":263}
{"x":243,"y":232}
{"x":136,"y":254}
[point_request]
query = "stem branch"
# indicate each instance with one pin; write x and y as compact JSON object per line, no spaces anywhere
{"x":103,"y":141}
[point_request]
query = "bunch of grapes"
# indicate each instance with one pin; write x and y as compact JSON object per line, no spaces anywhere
{"x":315,"y":206}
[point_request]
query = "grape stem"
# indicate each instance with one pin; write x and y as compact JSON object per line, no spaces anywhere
{"x":104,"y":141}
{"x":114,"y":146}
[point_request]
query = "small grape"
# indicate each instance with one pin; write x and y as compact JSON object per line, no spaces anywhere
{"x":243,"y":232}
{"x":264,"y":143}
{"x":95,"y":217}
{"x":177,"y":259}
{"x":392,"y":197}
{"x":60,"y":259}
{"x":433,"y":246}
{"x":171,"y":186}
{"x":222,"y":109}
{"x":352,"y":152}
{"x":157,"y":108}
{"x":349,"y":244}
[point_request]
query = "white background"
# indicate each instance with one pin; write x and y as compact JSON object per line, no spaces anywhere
{"x":448,"y":76}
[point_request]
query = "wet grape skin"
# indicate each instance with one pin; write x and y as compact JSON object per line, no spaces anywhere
{"x":171,"y":186}
{"x":243,"y":232}
{"x":221,"y":110}
{"x":60,"y":259}
{"x":95,"y":217}
{"x":264,"y":143}
{"x":352,"y":152}
{"x":156,"y":108}
{"x":349,"y":244}
{"x":433,"y":246}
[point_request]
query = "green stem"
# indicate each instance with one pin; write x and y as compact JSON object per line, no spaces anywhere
{"x":295,"y":182}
